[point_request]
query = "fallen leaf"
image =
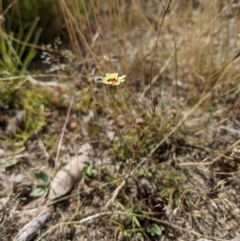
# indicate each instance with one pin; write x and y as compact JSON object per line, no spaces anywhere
{"x":66,"y":178}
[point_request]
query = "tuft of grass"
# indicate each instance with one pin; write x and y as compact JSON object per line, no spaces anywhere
{"x":16,"y":93}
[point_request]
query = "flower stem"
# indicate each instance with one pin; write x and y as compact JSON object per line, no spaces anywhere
{"x":112,"y":92}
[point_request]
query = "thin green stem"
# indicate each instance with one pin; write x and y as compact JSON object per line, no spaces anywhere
{"x":114,"y":107}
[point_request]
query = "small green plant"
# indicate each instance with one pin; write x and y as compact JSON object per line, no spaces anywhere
{"x":43,"y":184}
{"x":10,"y":163}
{"x":131,"y":224}
{"x":155,"y":230}
{"x":123,"y":232}
{"x":2,"y":233}
{"x":89,"y":172}
{"x":171,"y":186}
{"x":15,"y":55}
{"x":119,"y":150}
{"x":145,"y":172}
{"x":131,"y":210}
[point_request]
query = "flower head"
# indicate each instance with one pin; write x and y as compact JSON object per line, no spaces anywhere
{"x":112,"y":79}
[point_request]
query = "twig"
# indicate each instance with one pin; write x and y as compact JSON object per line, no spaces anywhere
{"x":155,"y":50}
{"x":98,"y":215}
{"x":64,"y":128}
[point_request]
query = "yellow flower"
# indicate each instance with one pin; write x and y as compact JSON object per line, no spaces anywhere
{"x":112,"y":79}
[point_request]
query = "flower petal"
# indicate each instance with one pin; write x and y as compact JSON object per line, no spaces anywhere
{"x":112,"y":79}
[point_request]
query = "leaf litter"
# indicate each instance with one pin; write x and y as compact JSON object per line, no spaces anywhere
{"x":67,"y":177}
